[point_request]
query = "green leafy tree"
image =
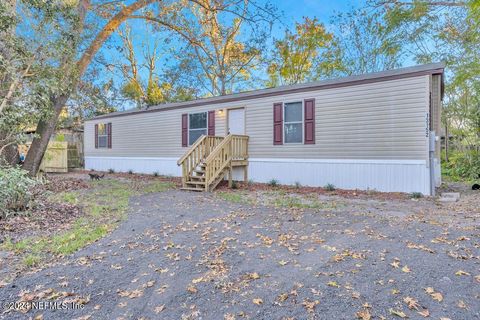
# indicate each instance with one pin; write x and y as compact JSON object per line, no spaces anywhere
{"x":306,"y":55}
{"x":365,"y":43}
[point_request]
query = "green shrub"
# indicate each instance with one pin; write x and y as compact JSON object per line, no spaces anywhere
{"x":130,"y":171}
{"x":330,"y":187}
{"x":15,"y":190}
{"x":155,"y":174}
{"x":234,"y":184}
{"x":273,"y":183}
{"x":298,"y":185}
{"x":416,"y":195}
{"x":462,"y":166}
{"x":111,"y":170}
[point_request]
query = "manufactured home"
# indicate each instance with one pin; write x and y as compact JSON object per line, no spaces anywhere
{"x":376,"y":131}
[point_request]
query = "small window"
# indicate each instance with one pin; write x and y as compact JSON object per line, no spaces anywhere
{"x":102,"y":135}
{"x":197,"y":125}
{"x":293,"y":124}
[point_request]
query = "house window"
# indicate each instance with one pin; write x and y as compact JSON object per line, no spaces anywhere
{"x":197,"y":125}
{"x":293,"y":124}
{"x":102,"y":135}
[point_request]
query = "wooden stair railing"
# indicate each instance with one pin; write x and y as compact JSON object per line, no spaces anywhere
{"x":197,"y":154}
{"x":206,"y":163}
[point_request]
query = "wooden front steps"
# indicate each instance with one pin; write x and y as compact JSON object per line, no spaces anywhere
{"x":211,"y":158}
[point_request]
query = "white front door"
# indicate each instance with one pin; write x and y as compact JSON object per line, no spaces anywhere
{"x":236,"y":121}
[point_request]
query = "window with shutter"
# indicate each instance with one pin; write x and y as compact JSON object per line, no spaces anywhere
{"x":293,"y":122}
{"x":101,"y":133}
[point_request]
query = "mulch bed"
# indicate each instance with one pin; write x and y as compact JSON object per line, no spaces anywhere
{"x":361,"y":194}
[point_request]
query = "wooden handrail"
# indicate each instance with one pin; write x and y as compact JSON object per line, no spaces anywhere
{"x":215,"y":154}
{"x":218,"y":160}
{"x":192,"y":148}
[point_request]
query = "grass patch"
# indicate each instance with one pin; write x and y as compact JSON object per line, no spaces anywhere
{"x":31,"y":260}
{"x":235,"y":197}
{"x":306,"y":202}
{"x":105,"y":205}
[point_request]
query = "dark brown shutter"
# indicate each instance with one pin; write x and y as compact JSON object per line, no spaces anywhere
{"x":278,"y":123}
{"x":185,"y":130}
{"x":109,"y":135}
{"x":211,"y":123}
{"x":96,"y":136}
{"x":309,"y":121}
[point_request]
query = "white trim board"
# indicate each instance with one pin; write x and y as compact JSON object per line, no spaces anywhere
{"x":363,"y":174}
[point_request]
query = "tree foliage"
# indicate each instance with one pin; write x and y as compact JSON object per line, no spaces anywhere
{"x":304,"y":55}
{"x":222,"y":40}
{"x":365,"y":42}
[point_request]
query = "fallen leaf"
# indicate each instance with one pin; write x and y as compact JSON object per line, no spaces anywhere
{"x":395,"y":263}
{"x":159,"y":309}
{"x":411,"y":303}
{"x":425,"y":313}
{"x":462,"y":273}
{"x":437,"y":296}
{"x":406,"y":269}
{"x":229,"y":316}
{"x":192,"y":289}
{"x":461,"y":304}
{"x":364,"y":314}
{"x":257,"y":301}
{"x":397,"y":313}
{"x":310,"y":305}
{"x":116,"y":266}
{"x":253,"y":276}
{"x":333,"y":284}
{"x":282,"y":262}
{"x":282,"y":297}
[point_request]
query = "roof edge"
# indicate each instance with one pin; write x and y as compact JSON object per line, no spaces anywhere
{"x":426,"y":69}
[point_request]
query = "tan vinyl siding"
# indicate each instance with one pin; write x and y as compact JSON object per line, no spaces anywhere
{"x":380,"y":120}
{"x":156,"y":134}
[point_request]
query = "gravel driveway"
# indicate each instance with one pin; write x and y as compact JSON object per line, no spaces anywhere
{"x":184,"y":255}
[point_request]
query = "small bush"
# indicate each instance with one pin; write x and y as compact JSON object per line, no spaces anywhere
{"x":130,"y":171}
{"x":416,"y":195}
{"x":273,"y":183}
{"x":234,"y":184}
{"x":155,"y":174}
{"x":461,"y":166}
{"x":297,"y":185}
{"x":111,"y":170}
{"x":15,"y":190}
{"x":330,"y":187}
{"x":250,"y":182}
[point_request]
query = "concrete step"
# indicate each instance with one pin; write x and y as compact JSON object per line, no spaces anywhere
{"x":449,"y":197}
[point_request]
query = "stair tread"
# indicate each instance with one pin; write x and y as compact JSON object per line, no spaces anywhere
{"x":192,"y":189}
{"x":195,"y":182}
{"x":197,"y":177}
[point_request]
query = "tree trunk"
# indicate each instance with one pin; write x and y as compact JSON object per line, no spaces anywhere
{"x":45,"y":129}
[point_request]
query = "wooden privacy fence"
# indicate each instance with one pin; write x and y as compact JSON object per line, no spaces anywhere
{"x":55,"y":158}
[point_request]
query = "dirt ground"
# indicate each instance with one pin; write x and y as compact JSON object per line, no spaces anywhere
{"x":270,"y":254}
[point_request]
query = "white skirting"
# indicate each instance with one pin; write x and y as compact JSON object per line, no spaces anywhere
{"x":164,"y":166}
{"x":380,"y":175}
